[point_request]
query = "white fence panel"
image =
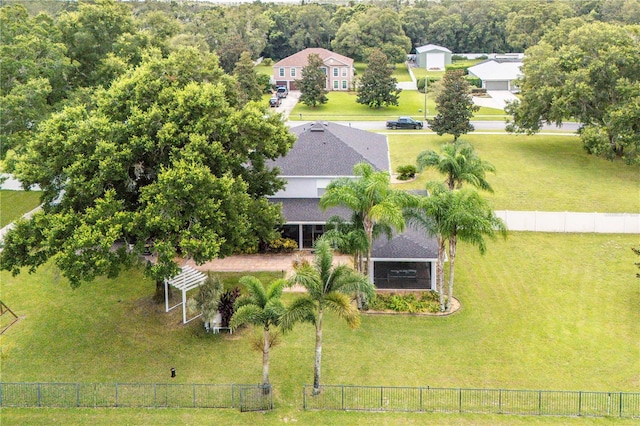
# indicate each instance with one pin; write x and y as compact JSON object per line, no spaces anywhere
{"x":604,"y":223}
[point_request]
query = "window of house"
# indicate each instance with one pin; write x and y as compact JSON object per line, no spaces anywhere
{"x":335,"y":84}
{"x":281,"y":72}
{"x":293,"y":72}
{"x":344,"y":72}
{"x":335,"y":72}
{"x":324,"y":70}
{"x":344,"y":84}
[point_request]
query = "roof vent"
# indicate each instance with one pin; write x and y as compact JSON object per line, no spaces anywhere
{"x":317,"y":127}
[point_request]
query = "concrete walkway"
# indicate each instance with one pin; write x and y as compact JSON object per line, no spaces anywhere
{"x":263,"y":262}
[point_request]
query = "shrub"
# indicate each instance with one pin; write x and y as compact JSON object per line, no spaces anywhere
{"x":464,"y":67}
{"x":420,"y":83}
{"x":406,"y":172}
{"x":226,"y":305}
{"x":265,"y":83}
{"x":458,"y":58}
{"x":478,"y":91}
{"x":474,"y":81}
{"x":282,"y":245}
{"x":428,"y":302}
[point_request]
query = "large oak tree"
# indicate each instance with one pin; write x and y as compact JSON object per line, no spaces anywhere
{"x":166,"y":159}
{"x":590,"y":74}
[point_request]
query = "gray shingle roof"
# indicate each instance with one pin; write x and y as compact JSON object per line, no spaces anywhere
{"x":413,"y":243}
{"x":297,"y":210}
{"x":330,"y":149}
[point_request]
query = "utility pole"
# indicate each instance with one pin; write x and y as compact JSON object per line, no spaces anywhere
{"x":426,"y":81}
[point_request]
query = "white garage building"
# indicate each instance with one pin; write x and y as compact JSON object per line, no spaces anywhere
{"x":433,"y":57}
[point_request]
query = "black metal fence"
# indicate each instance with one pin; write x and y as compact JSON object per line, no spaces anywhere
{"x":147,"y":395}
{"x":482,"y":401}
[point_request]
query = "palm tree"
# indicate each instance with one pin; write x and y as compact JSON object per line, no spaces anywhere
{"x":459,"y":163}
{"x":449,"y":215}
{"x":348,"y":238}
{"x":430,"y":213}
{"x":371,"y":199}
{"x":328,"y":287}
{"x":469,"y":218}
{"x":261,"y":307}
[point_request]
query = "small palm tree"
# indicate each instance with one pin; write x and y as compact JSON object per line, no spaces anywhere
{"x":260,"y":307}
{"x":371,"y":199}
{"x":470,"y":218}
{"x":328,"y":287}
{"x":459,"y":163}
{"x":430,"y":214}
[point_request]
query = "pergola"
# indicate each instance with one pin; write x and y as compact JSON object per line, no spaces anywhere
{"x":186,"y":280}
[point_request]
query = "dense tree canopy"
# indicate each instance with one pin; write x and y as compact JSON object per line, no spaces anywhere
{"x":165,"y":159}
{"x":378,"y":87}
{"x":592,"y":76}
{"x":455,"y":106}
{"x":313,"y":83}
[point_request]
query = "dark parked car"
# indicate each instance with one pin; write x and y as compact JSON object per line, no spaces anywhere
{"x":274,"y":101}
{"x":282,"y":92}
{"x":404,"y":123}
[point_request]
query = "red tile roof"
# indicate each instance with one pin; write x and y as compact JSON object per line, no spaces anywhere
{"x":300,"y":58}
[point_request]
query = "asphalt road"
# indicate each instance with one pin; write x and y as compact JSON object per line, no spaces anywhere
{"x":479,"y":125}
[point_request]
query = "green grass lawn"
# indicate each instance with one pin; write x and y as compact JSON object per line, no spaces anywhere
{"x":342,"y":106}
{"x":264,"y":69}
{"x":540,"y":311}
{"x":13,"y":204}
{"x":544,"y":173}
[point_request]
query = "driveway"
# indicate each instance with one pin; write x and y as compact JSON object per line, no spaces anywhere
{"x":497,"y":99}
{"x":287,"y":104}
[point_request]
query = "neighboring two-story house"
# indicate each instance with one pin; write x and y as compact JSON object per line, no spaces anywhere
{"x":338,"y":69}
{"x":327,"y":151}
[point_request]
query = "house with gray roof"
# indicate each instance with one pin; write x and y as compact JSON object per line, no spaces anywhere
{"x":498,"y":73}
{"x":327,"y":151}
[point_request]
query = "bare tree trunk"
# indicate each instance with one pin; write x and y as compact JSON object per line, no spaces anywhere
{"x":158,"y":296}
{"x":453,"y":240}
{"x":318,"y":357}
{"x":265,"y":357}
{"x":440,"y":271}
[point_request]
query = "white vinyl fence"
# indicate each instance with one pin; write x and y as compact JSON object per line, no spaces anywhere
{"x":602,"y":223}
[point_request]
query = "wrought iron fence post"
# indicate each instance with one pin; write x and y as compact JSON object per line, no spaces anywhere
{"x":580,"y":403}
{"x":155,"y":395}
{"x":116,"y":394}
{"x":39,"y":402}
{"x":620,"y":404}
{"x":233,"y":396}
{"x":421,"y":399}
{"x":77,"y":394}
{"x":304,"y":397}
{"x":194,"y":395}
{"x":460,"y":401}
{"x":539,"y":402}
{"x":380,"y":397}
{"x":499,"y":400}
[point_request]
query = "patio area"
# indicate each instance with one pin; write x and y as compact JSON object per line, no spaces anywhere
{"x":262,"y":262}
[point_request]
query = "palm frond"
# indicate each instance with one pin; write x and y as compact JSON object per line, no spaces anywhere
{"x":247,"y":314}
{"x":255,"y":288}
{"x":301,"y":310}
{"x":341,"y":304}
